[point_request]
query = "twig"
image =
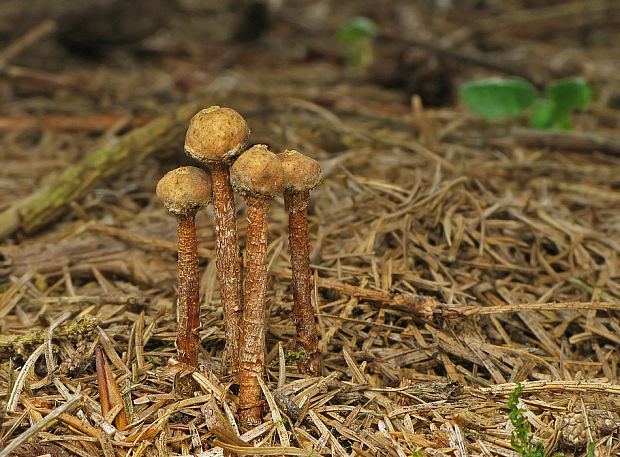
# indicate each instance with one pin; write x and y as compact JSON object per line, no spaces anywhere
{"x":73,"y":331}
{"x":25,"y":41}
{"x":114,"y":298}
{"x":561,"y":386}
{"x":50,"y":202}
{"x":430,"y":308}
{"x":518,"y":307}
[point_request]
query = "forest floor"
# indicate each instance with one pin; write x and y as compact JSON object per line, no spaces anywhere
{"x":505,"y":240}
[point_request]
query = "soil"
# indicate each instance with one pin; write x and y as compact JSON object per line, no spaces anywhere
{"x":452,"y":257}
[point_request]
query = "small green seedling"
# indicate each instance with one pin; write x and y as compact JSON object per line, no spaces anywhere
{"x":357,"y":35}
{"x":497,"y":98}
{"x":293,"y":356}
{"x":522,"y":437}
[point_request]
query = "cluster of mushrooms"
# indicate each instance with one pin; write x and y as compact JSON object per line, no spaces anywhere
{"x":216,"y":137}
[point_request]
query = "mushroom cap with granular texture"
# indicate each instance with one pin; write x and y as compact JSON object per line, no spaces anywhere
{"x":301,"y":172}
{"x":258,"y":172}
{"x":216,"y":135}
{"x":184,"y":190}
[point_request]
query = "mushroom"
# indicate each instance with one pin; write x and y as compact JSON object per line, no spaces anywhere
{"x":302,"y":175}
{"x":215,"y":137}
{"x":183,"y":192}
{"x":257,"y":175}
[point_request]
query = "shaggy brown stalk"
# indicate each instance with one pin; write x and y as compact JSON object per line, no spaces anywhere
{"x":257,"y":175}
{"x":215,"y":137}
{"x":302,"y":174}
{"x":183,"y":192}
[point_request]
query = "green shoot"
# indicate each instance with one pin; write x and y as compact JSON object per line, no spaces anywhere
{"x":357,"y":35}
{"x":497,"y":98}
{"x":522,"y":437}
{"x":561,"y":99}
{"x":292,"y":356}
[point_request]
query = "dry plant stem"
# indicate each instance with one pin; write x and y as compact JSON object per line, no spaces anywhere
{"x":252,"y":347}
{"x":188,"y":336}
{"x":228,"y":260}
{"x":296,"y":204}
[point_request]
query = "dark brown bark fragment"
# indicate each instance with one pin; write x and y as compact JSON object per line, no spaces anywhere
{"x":296,"y":204}
{"x":252,"y":347}
{"x":102,"y":385}
{"x":188,"y":335}
{"x":228,"y":260}
{"x":114,"y":395}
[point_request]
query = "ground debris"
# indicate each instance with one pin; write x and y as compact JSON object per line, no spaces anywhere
{"x":451,"y":257}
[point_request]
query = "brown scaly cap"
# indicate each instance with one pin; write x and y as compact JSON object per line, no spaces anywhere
{"x":216,"y":135}
{"x":302,"y":173}
{"x":258,"y":172}
{"x":184,"y":189}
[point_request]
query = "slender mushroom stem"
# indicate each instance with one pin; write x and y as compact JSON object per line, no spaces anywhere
{"x":252,"y":347}
{"x":183,"y":192}
{"x":258,"y":176}
{"x":228,"y":257}
{"x":302,"y":175}
{"x":296,"y":204}
{"x":215,"y":137}
{"x":188,"y":335}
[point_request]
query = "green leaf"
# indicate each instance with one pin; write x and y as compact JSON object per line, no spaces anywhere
{"x":356,"y":29}
{"x":542,"y":114}
{"x":566,"y":96}
{"x":496,"y":98}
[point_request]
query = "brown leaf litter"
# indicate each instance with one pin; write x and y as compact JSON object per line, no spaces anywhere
{"x":451,"y":259}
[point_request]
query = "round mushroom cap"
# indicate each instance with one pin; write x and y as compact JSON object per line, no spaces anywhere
{"x":301,"y":172}
{"x":184,"y":190}
{"x":216,"y":135}
{"x":258,"y":172}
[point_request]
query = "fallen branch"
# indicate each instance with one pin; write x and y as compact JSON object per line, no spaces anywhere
{"x":430,"y":308}
{"x":46,"y":205}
